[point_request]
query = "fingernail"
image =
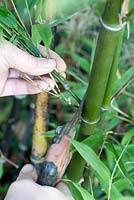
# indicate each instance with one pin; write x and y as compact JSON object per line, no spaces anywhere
{"x":50,"y":63}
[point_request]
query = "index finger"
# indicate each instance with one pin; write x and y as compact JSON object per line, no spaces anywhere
{"x":24,"y":62}
{"x":3,"y":74}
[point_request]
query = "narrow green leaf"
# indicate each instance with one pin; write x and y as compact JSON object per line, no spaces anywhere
{"x":1,"y":35}
{"x":111,"y":148}
{"x":29,"y":46}
{"x":127,"y":137}
{"x":35,"y":36}
{"x":94,"y":140}
{"x":91,"y":158}
{"x":84,"y":64}
{"x":45,"y":33}
{"x":75,"y":187}
{"x":1,"y":170}
{"x":124,"y":79}
{"x":126,"y":198}
{"x":74,"y":191}
{"x":101,"y":170}
{"x":7,"y":18}
{"x":122,"y":184}
{"x":50,"y":133}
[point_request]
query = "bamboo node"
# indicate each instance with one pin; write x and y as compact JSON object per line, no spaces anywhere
{"x":105,"y":108}
{"x":88,"y":122}
{"x":113,"y":28}
{"x":35,"y":160}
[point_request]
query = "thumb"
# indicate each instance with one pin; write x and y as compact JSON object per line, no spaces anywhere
{"x":65,"y":190}
{"x":25,"y":62}
{"x":28,"y":172}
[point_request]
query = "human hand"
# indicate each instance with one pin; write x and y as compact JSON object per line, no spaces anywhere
{"x":25,"y":187}
{"x":14,"y":63}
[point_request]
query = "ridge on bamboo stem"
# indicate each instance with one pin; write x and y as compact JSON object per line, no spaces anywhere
{"x":39,"y":142}
{"x":107,"y":44}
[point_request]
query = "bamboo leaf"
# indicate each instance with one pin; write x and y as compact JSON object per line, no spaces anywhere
{"x":94,"y":140}
{"x":82,"y":62}
{"x":101,"y":171}
{"x":75,"y":192}
{"x":111,"y":148}
{"x":79,"y":190}
{"x":126,"y":198}
{"x":29,"y":46}
{"x":50,"y":133}
{"x":7,"y":18}
{"x":91,"y":158}
{"x":39,"y":4}
{"x":1,"y":35}
{"x":124,"y":79}
{"x":45,"y":33}
{"x":35,"y":36}
{"x":122,"y":184}
{"x":127,"y":137}
{"x":1,"y":170}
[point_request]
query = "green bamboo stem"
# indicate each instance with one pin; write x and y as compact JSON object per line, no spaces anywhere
{"x":98,"y":80}
{"x":110,"y":33}
{"x":108,"y":93}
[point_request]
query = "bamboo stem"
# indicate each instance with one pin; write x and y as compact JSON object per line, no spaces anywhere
{"x":108,"y":93}
{"x":110,"y":33}
{"x":98,"y":80}
{"x":39,"y":143}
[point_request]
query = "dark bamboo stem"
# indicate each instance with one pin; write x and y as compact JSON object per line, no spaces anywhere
{"x":9,"y":128}
{"x":24,"y":144}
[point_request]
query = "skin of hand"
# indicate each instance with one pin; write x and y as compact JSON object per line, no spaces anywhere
{"x":14,"y":62}
{"x":25,"y":187}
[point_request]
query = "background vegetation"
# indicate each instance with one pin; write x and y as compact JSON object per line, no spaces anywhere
{"x":114,"y":136}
